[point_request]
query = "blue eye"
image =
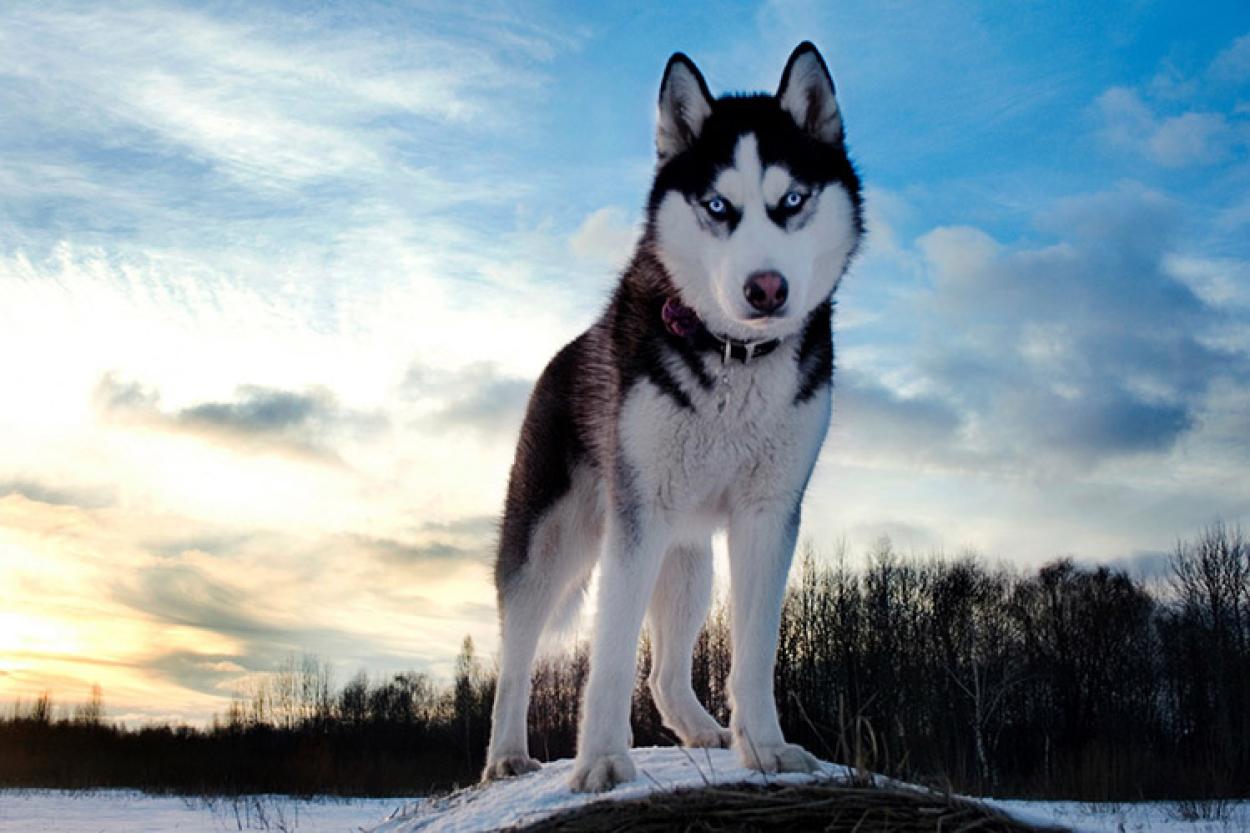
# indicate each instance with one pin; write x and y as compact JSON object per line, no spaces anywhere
{"x":793,"y":199}
{"x":717,"y":207}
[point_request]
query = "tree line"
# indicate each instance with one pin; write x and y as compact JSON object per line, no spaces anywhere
{"x":1068,"y":681}
{"x":290,"y":731}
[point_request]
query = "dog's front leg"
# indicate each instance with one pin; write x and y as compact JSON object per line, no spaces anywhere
{"x":631,"y":559}
{"x":761,"y":546}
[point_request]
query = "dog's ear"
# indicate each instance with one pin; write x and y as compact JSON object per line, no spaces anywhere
{"x":685,"y":104}
{"x":807,"y":94}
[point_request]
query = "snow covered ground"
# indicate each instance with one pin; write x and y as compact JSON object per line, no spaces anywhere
{"x":126,"y":811}
{"x":515,"y":801}
{"x":544,"y":793}
{"x":1135,"y":817}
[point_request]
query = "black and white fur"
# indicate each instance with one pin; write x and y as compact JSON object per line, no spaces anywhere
{"x":639,"y":443}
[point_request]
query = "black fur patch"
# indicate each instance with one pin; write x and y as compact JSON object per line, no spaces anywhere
{"x":549,"y":448}
{"x":685,"y":348}
{"x":816,"y":353}
{"x":655,"y":371}
{"x":639,"y":338}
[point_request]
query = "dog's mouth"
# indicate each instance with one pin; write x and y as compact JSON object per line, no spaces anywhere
{"x":763,"y":323}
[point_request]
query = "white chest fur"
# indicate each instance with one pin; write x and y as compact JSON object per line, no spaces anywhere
{"x":745,"y":436}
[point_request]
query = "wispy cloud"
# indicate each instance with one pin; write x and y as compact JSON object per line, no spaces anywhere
{"x":477,"y":397}
{"x":266,"y":99}
{"x":402,"y":553}
{"x":58,"y":495}
{"x":878,"y":425}
{"x":259,"y":419}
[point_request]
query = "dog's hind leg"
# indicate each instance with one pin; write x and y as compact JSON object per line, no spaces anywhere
{"x":560,"y":556}
{"x":523,"y":614}
{"x":679,"y":606}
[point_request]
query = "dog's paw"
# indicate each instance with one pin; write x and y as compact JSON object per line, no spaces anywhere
{"x":717,"y":738}
{"x":782,"y":757}
{"x":601,"y":773}
{"x":506,"y":766}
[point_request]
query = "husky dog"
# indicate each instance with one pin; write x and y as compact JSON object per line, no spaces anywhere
{"x":697,"y":401}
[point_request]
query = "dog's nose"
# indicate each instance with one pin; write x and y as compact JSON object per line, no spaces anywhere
{"x":766,"y":291}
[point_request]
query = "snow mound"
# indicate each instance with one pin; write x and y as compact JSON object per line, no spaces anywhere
{"x":539,"y":795}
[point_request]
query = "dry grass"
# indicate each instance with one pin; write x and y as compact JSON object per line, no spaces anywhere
{"x":826,"y":807}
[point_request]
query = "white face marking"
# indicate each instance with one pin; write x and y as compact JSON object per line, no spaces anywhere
{"x":711,"y":264}
{"x":777,"y":181}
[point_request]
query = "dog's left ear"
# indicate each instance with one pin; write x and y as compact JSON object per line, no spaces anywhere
{"x":807,"y":94}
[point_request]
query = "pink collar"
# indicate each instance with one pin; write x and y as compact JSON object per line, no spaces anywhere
{"x":684,"y":322}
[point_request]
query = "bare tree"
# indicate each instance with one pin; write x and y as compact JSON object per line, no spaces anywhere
{"x":1206,"y":636}
{"x":91,"y":713}
{"x":978,"y":649}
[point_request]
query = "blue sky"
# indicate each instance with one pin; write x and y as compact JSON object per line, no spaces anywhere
{"x":275,"y":280}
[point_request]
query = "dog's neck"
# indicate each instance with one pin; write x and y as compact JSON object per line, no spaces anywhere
{"x":684,"y":322}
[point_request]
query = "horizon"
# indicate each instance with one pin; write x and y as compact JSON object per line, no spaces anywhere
{"x":262,"y":689}
{"x":275,"y":283}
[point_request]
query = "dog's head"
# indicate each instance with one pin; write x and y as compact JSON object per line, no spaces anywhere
{"x":756,"y":208}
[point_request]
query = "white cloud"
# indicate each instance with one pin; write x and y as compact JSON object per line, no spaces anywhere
{"x":1171,"y":84}
{"x":607,"y":235}
{"x":1233,"y":64}
{"x":1045,"y":358}
{"x":1126,"y":118}
{"x":956,"y":253}
{"x":1191,"y":138}
{"x":1217,"y":281}
{"x":1033,"y":398}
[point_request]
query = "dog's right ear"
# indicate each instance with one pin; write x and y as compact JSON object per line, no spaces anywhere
{"x":685,"y":104}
